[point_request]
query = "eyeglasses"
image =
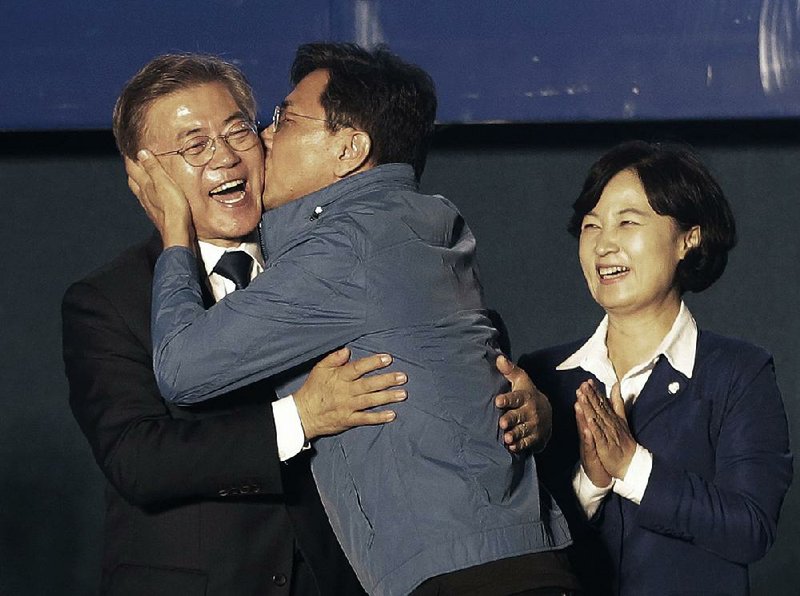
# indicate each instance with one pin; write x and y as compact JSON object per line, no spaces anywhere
{"x":198,"y":151}
{"x":279,"y":117}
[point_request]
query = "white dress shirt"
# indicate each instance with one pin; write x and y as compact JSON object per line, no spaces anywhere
{"x":679,"y":346}
{"x":288,"y":428}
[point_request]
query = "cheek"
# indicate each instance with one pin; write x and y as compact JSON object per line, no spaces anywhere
{"x":313,"y":150}
{"x":661,"y":259}
{"x":254,"y":154}
{"x":255,"y":170}
{"x":586,"y":258}
{"x":180,"y":171}
{"x":301,"y":169}
{"x":200,"y":207}
{"x":669,"y":250}
{"x":649,"y":255}
{"x":188,"y":179}
{"x":282,"y":162}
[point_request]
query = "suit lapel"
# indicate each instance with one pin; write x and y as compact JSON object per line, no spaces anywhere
{"x":205,"y":285}
{"x":205,"y":290}
{"x":662,"y":390}
{"x":153,"y":249}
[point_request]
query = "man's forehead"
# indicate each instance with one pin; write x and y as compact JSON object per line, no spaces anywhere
{"x":192,"y":110}
{"x":309,"y":89}
{"x":183,"y":111}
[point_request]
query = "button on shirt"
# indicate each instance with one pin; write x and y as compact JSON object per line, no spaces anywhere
{"x":679,"y":346}
{"x":288,"y":427}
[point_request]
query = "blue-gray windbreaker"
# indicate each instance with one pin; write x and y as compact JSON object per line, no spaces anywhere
{"x":371,"y":263}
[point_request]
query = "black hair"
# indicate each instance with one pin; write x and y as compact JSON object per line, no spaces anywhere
{"x":393,"y":101}
{"x":678,"y":185}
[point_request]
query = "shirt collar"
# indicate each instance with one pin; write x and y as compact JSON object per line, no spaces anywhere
{"x":210,"y":254}
{"x":679,"y":346}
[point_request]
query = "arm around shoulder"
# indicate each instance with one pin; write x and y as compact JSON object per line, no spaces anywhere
{"x":305,"y":304}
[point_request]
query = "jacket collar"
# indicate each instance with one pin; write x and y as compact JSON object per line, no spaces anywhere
{"x":282,"y":225}
{"x":663,"y":389}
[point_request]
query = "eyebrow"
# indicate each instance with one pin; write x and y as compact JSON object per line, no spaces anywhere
{"x":626,"y":211}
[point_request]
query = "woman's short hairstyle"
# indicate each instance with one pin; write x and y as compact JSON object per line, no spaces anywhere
{"x":678,"y":185}
{"x":168,"y":74}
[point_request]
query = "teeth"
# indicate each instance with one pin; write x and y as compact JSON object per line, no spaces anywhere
{"x":229,"y":199}
{"x":226,"y":186}
{"x":614,"y":270}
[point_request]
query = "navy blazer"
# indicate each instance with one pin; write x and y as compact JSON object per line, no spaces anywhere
{"x":721,"y":468}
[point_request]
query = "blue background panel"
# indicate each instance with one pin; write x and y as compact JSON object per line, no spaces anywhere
{"x":520,"y":61}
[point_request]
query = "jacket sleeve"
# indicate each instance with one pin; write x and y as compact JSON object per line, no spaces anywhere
{"x":735,"y":513}
{"x":302,"y":306}
{"x":147,"y":453}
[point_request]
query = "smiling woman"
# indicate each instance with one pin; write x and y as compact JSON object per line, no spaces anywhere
{"x":677,"y":437}
{"x":629,"y":253}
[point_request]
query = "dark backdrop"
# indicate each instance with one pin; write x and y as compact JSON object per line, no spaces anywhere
{"x":564,"y":61}
{"x":67,"y":210}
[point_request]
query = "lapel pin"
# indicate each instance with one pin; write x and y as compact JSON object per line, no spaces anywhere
{"x":673,"y":387}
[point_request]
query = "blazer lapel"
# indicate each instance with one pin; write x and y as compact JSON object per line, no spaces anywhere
{"x":662,"y":390}
{"x":205,"y":290}
{"x":205,"y":287}
{"x":153,"y":249}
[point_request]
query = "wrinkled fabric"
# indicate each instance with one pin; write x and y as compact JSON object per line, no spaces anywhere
{"x":371,"y":263}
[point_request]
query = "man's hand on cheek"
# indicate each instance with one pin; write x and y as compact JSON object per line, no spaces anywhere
{"x":162,"y":200}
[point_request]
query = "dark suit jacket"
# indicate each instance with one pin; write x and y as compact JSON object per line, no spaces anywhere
{"x":197,"y":500}
{"x":721,"y":467}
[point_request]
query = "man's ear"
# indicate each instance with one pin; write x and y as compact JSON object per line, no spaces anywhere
{"x":355,"y":152}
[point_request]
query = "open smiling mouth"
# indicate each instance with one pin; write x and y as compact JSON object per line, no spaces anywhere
{"x":229,"y":193}
{"x":608,"y":273}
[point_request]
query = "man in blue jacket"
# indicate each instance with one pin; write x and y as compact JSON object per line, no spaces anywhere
{"x":357,"y":256}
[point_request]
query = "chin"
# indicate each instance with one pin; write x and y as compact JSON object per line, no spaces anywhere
{"x":613,"y":303}
{"x":237,"y":227}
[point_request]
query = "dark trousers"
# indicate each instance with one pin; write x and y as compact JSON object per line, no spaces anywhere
{"x":538,"y":574}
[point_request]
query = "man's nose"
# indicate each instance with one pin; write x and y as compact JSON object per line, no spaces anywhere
{"x":267,"y":135}
{"x":224,"y":156}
